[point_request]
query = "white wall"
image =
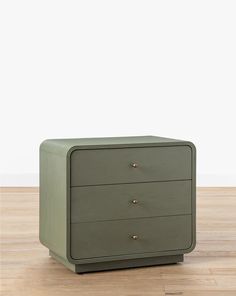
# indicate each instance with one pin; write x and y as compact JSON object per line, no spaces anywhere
{"x":113,"y":68}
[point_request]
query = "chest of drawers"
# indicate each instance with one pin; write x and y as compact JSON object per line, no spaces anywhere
{"x":108,"y":203}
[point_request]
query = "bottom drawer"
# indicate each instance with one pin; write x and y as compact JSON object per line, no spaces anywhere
{"x":120,"y":237}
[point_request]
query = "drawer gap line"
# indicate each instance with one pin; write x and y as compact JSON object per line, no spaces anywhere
{"x":180,"y":180}
{"x":135,"y":218}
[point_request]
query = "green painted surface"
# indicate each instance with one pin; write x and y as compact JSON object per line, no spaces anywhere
{"x":58,"y":200}
{"x":109,"y":202}
{"x":62,"y":145}
{"x":53,"y":200}
{"x":111,"y":238}
{"x":118,"y":264}
{"x":110,"y":166}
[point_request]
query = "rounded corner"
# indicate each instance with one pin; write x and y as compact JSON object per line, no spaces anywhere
{"x":42,"y":144}
{"x":70,"y":151}
{"x":70,"y":259}
{"x":191,"y":247}
{"x":192,"y":146}
{"x":41,"y":240}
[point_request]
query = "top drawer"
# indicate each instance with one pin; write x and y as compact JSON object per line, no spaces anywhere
{"x":130,"y":165}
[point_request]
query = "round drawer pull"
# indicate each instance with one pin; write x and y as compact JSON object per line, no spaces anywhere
{"x":134,"y":201}
{"x":134,"y":237}
{"x":134,"y":165}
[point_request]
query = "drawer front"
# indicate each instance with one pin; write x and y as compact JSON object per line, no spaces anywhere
{"x":110,"y":166}
{"x":110,"y":202}
{"x":120,"y":237}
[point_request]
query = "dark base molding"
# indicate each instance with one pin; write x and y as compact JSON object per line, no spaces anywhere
{"x":120,"y":264}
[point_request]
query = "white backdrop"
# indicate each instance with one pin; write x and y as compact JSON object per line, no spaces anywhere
{"x":116,"y":68}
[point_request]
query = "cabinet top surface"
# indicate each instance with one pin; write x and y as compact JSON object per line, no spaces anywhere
{"x":107,"y":142}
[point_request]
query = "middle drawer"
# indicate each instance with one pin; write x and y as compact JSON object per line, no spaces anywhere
{"x":113,"y":202}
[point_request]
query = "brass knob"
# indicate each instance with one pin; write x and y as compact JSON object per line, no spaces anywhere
{"x":134,"y":201}
{"x":134,"y":165}
{"x":134,"y":237}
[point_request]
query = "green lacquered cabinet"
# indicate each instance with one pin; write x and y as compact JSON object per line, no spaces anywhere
{"x":108,"y":203}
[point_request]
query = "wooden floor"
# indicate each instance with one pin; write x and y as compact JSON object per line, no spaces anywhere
{"x":26,"y":268}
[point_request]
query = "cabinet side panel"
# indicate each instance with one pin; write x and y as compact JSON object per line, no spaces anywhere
{"x":194,"y":206}
{"x":52,"y":208}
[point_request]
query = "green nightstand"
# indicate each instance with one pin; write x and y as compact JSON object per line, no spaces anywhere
{"x":108,"y":203}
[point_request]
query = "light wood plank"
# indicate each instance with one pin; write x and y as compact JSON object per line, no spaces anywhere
{"x":26,"y":268}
